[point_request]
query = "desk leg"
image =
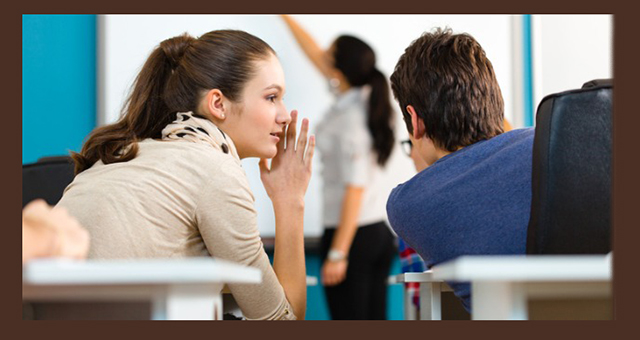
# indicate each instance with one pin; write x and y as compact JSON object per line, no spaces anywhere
{"x":430,"y":305}
{"x":410,"y":310}
{"x":498,"y":301}
{"x":188,"y":302}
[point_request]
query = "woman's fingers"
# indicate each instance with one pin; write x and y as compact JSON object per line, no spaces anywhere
{"x":302,"y":139}
{"x":329,"y":281}
{"x":291,"y":131}
{"x":69,"y":238}
{"x":280,"y":144}
{"x":326,"y":276}
{"x":73,"y":240}
{"x":36,"y":209}
{"x":289,"y":173}
{"x":332,"y":279}
{"x":308,"y":158}
{"x":331,"y":276}
{"x":37,"y":205}
{"x":341,"y":278}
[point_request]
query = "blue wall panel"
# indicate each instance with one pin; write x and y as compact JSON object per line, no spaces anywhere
{"x":529,"y":105}
{"x":58,"y":83}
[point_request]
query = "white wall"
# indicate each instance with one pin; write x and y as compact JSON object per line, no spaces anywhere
{"x":127,"y":40}
{"x":569,"y":50}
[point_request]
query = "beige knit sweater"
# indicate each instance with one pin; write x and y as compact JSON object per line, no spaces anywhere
{"x":179,"y":199}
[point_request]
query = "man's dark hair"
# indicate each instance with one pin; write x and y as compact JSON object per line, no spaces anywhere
{"x":451,"y":84}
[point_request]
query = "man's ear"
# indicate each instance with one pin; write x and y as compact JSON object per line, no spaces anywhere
{"x":417,"y":123}
{"x":216,"y":104}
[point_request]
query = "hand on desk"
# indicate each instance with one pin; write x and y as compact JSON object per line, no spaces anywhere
{"x":51,"y":232}
{"x":334,"y":272}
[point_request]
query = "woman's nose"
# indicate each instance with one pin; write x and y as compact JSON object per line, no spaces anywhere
{"x":283,"y":117}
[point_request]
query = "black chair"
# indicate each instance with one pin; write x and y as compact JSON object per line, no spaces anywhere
{"x":571,"y":175}
{"x":46,"y":179}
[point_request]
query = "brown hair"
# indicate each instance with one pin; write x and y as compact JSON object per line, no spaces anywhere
{"x":451,"y":84}
{"x":173,"y":79}
{"x":357,"y":61}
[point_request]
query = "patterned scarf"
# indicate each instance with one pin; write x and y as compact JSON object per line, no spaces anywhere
{"x":193,"y":128}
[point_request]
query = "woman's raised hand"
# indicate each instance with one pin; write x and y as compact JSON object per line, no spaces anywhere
{"x":287,"y":179}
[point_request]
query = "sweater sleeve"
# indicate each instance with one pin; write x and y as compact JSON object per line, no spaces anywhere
{"x":227,"y":221}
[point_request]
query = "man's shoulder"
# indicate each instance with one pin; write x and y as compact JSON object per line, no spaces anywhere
{"x":522,"y":133}
{"x":514,"y":143}
{"x":452,"y":175}
{"x":410,"y":191}
{"x":518,"y":135}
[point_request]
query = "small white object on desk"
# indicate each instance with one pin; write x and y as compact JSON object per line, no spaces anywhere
{"x":178,"y":289}
{"x":502,"y":285}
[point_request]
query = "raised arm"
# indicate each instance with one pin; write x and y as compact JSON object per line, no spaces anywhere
{"x":227,"y":221}
{"x":316,"y":54}
{"x":286,"y":182}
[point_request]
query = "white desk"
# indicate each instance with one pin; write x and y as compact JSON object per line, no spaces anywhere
{"x":502,"y":285}
{"x":178,"y":289}
{"x":430,"y":290}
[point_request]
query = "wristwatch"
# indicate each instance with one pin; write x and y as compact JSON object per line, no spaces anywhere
{"x":336,"y":255}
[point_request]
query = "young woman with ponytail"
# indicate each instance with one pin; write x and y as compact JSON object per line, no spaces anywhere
{"x":355,"y":140}
{"x":166,"y":179}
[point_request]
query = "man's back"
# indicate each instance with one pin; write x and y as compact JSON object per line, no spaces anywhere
{"x":471,"y":202}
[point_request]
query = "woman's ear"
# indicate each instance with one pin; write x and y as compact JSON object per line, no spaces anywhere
{"x":216,"y":104}
{"x":419,"y":129}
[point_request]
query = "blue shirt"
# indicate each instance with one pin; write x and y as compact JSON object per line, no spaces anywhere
{"x":475,"y":201}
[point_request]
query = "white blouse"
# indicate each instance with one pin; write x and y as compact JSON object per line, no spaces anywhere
{"x":345,"y":146}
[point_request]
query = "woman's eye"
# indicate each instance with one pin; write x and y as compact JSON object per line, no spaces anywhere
{"x":272,"y":98}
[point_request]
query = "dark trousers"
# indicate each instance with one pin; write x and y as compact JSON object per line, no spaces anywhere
{"x":363,"y":293}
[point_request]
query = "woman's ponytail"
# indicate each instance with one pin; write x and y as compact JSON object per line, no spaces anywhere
{"x":380,"y":117}
{"x":144,"y":114}
{"x":357,"y":61}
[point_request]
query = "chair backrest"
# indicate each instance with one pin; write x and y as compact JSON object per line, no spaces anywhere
{"x":571,"y":175}
{"x":46,"y":179}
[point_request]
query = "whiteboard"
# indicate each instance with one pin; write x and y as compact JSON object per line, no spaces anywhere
{"x":125,"y":41}
{"x":570,"y":50}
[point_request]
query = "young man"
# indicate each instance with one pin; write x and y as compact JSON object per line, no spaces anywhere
{"x":474,"y":198}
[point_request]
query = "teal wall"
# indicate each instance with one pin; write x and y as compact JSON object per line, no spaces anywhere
{"x":529,"y":105}
{"x":58,"y":83}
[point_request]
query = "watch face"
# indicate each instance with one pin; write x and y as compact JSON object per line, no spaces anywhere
{"x":335,"y":255}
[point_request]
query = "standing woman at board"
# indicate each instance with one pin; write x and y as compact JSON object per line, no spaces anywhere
{"x":166,"y":181}
{"x":355,"y":140}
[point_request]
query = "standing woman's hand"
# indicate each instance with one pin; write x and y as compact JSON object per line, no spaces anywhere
{"x":334,"y":272}
{"x":287,"y":180}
